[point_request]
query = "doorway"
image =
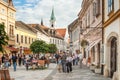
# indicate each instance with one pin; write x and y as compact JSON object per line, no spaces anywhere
{"x":113,"y":56}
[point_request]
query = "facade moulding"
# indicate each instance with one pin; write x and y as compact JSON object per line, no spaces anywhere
{"x":112,"y":18}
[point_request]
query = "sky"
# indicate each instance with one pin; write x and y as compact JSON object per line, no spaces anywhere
{"x":32,"y":11}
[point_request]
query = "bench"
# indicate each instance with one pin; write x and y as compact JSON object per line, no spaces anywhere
{"x":4,"y":75}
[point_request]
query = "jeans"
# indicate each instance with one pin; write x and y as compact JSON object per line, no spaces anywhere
{"x":76,"y":61}
{"x":64,"y":67}
{"x":14,"y":66}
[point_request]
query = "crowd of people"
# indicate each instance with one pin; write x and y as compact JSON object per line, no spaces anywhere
{"x":65,"y":61}
{"x":8,"y":60}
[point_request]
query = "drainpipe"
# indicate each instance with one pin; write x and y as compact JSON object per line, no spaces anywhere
{"x":102,"y":64}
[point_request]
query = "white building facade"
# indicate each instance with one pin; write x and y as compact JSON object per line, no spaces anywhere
{"x":74,"y":35}
{"x":112,"y":38}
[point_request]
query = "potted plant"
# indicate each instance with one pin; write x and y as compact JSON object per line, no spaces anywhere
{"x":84,"y":43}
{"x":92,"y":67}
{"x":98,"y":69}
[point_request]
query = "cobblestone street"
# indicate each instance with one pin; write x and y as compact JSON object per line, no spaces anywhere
{"x":22,"y":74}
{"x":52,"y":74}
{"x":77,"y":74}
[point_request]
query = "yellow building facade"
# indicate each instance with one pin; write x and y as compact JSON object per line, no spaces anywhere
{"x":24,"y":36}
{"x":7,"y":17}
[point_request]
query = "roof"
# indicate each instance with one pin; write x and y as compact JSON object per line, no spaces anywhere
{"x":61,"y":32}
{"x":44,"y":27}
{"x":38,"y":27}
{"x":24,"y":26}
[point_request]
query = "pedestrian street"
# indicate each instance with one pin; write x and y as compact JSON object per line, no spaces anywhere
{"x":78,"y":74}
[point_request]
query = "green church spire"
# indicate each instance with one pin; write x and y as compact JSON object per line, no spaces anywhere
{"x":52,"y":18}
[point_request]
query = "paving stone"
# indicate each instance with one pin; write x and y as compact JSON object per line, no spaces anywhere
{"x":78,"y":74}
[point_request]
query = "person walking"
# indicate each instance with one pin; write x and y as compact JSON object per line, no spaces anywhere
{"x":14,"y":61}
{"x":19,"y":59}
{"x":6,"y":61}
{"x":80,"y":59}
{"x":63,"y":61}
{"x":3,"y":58}
{"x":69,"y":63}
{"x":59,"y":64}
{"x":57,"y":57}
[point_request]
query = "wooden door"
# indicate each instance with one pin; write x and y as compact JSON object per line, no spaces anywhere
{"x":113,"y":58}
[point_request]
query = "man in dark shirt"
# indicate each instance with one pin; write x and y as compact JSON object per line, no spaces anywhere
{"x":57,"y":57}
{"x":14,"y":60}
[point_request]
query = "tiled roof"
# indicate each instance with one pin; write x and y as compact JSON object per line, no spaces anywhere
{"x":44,"y":27}
{"x":61,"y":32}
{"x":24,"y":26}
{"x":38,"y":27}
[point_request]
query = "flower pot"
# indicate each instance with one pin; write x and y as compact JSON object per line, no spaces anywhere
{"x":92,"y":67}
{"x":98,"y":70}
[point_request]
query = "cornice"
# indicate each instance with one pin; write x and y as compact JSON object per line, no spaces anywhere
{"x":86,"y":5}
{"x":6,"y":5}
{"x":112,"y":18}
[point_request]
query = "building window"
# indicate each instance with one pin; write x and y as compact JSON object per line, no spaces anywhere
{"x":3,"y":11}
{"x":98,"y":8}
{"x":6,"y":1}
{"x":21,"y":38}
{"x":11,"y":30}
{"x":110,"y":5}
{"x":17,"y":38}
{"x":94,"y":9}
{"x":50,"y":41}
{"x":25,"y":40}
{"x":53,"y":41}
{"x":32,"y":39}
{"x":29,"y":40}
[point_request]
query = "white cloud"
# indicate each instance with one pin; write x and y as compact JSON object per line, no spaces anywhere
{"x":65,"y":11}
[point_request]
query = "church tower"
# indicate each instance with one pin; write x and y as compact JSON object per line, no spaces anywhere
{"x":52,"y":19}
{"x":52,"y":31}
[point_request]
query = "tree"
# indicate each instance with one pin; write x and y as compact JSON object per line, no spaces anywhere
{"x":3,"y":38}
{"x":52,"y":48}
{"x":39,"y":46}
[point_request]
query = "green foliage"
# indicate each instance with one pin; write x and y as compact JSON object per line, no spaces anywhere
{"x":84,"y":43}
{"x":39,"y":46}
{"x":52,"y":48}
{"x":3,"y":38}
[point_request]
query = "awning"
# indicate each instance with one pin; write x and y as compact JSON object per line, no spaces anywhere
{"x":93,"y":43}
{"x":13,"y":49}
{"x":27,"y":50}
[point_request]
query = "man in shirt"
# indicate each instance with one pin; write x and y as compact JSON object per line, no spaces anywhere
{"x":14,"y":60}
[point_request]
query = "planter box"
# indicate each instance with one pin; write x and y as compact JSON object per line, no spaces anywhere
{"x":92,"y":68}
{"x":98,"y":70}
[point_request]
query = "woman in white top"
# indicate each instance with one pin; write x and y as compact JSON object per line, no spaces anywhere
{"x":69,"y":63}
